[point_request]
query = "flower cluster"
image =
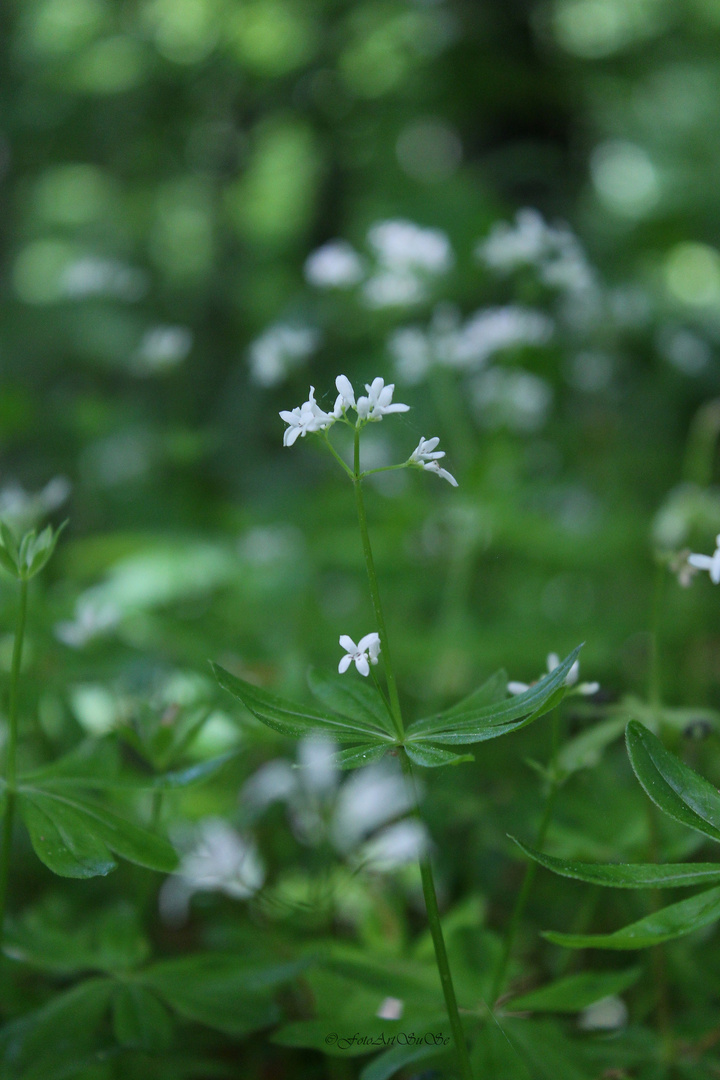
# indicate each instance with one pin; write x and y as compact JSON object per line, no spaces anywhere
{"x":426,"y":457}
{"x":373,"y":405}
{"x":553,"y":661}
{"x":363,"y":654}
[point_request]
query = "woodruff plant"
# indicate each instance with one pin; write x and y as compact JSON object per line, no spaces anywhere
{"x":367,"y":718}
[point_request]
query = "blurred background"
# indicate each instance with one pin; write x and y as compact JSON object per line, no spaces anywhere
{"x":508,"y":209}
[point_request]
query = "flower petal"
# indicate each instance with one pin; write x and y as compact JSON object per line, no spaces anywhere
{"x":344,"y":664}
{"x":348,"y":644}
{"x":361,"y":663}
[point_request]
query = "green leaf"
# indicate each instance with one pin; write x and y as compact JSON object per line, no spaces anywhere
{"x":52,"y":937}
{"x":293,"y":720}
{"x":491,"y":691}
{"x":140,"y":1019}
{"x":222,"y":991}
{"x":43,"y":1043}
{"x":62,"y":839}
{"x":350,"y":697}
{"x":39,"y":551}
{"x":10,"y":545}
{"x":431,"y":757}
{"x":575,"y":992}
{"x":585,"y":750}
{"x":664,"y":925}
{"x":490,"y":721}
{"x":96,"y":822}
{"x":357,"y":756}
{"x":399,"y":1057}
{"x":628,"y":875}
{"x":675,"y":788}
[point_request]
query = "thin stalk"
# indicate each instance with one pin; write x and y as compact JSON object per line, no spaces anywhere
{"x":441,"y":957}
{"x":426,"y":874}
{"x":530,"y":871}
{"x":10,"y":765}
{"x":375,"y":594}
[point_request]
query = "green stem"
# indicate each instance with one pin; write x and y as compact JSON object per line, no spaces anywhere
{"x":10,"y":773}
{"x":530,"y":871}
{"x":375,"y":595}
{"x":441,"y":957}
{"x":337,"y":457}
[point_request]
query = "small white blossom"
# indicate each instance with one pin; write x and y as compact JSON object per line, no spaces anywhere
{"x":711,"y":563}
{"x":402,"y":245}
{"x":91,"y":620}
{"x":308,"y":417}
{"x":378,"y":402}
{"x":683,"y":570}
{"x":363,"y":654}
{"x":393,"y":288}
{"x":391,"y":1008}
{"x":608,"y":1014}
{"x":335,"y":265}
{"x":161,"y":349}
{"x":553,"y":661}
{"x":426,"y":456}
{"x":346,"y":396}
{"x":279,"y":350}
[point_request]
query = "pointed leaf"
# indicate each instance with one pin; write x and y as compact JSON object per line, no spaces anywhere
{"x":350,"y":697}
{"x":628,"y":875}
{"x":575,"y":992}
{"x":664,"y":925}
{"x":673,"y":786}
{"x":432,"y":757}
{"x":62,"y":839}
{"x":491,"y":691}
{"x":140,"y":1019}
{"x":132,"y":842}
{"x":490,"y":721}
{"x":295,"y":720}
{"x":357,"y":756}
{"x":585,"y":750}
{"x":399,"y":1057}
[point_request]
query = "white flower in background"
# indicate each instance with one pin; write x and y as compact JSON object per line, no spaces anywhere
{"x":426,"y":456}
{"x":346,"y":813}
{"x":21,"y":510}
{"x":407,"y":255}
{"x":280,"y":350}
{"x":308,"y":417}
{"x":92,"y":619}
{"x":378,"y":402}
{"x":553,"y":661}
{"x":391,"y":1008}
{"x":608,"y":1014}
{"x":711,"y":563}
{"x":682,"y":569}
{"x":216,"y":858}
{"x":335,"y":265}
{"x":412,"y":351}
{"x":363,"y":654}
{"x":91,"y":276}
{"x":512,"y":397}
{"x":403,"y":245}
{"x":161,"y":349}
{"x":553,"y":250}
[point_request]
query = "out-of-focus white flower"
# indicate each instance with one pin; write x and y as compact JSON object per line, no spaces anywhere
{"x":363,"y":654}
{"x":22,"y":509}
{"x":280,"y":350}
{"x":391,"y":1008}
{"x":161,"y":349}
{"x":92,"y":276}
{"x":426,"y":456}
{"x":553,"y":661}
{"x":395,"y":846}
{"x":335,"y":265}
{"x":553,"y":250}
{"x":393,"y":289}
{"x":216,"y":859}
{"x":711,"y":563}
{"x":682,"y":569}
{"x":92,"y":620}
{"x":403,"y":245}
{"x":412,"y":351}
{"x":513,"y":398}
{"x":378,"y":402}
{"x":608,"y":1014}
{"x":308,"y":417}
{"x":369,"y":798}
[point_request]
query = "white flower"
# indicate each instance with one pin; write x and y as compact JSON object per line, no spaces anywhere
{"x":391,"y":1008}
{"x":305,"y":418}
{"x":608,"y":1014}
{"x":553,"y":661}
{"x":378,"y":402}
{"x":91,"y":620}
{"x":335,"y":265}
{"x":346,"y":396}
{"x":402,"y":245}
{"x":161,"y":349}
{"x":367,"y":649}
{"x":710,"y":563}
{"x":426,"y":456}
{"x":279,"y":350}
